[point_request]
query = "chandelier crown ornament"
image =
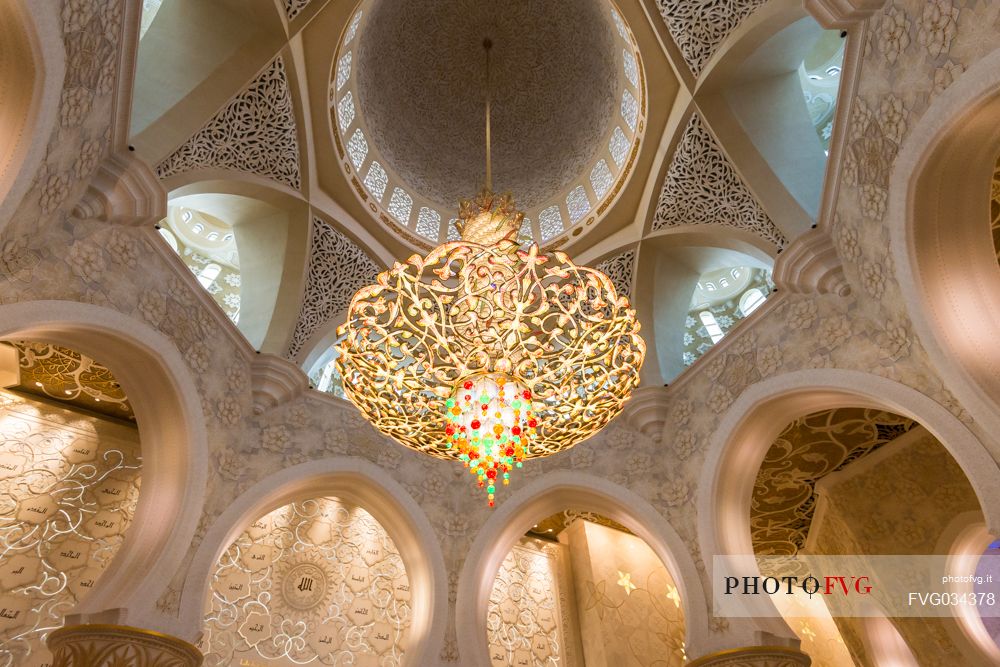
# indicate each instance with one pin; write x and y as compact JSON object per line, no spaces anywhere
{"x":489,"y":219}
{"x":488,"y":353}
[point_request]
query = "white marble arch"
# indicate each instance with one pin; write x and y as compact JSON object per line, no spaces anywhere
{"x":938,"y":221}
{"x":750,"y":425}
{"x":548,"y":495}
{"x":172,"y":437}
{"x":32,"y":69}
{"x":358,"y":482}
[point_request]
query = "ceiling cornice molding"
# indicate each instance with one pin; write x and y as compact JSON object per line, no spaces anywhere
{"x":274,"y":381}
{"x":123,"y":190}
{"x":810,"y":265}
{"x":646,"y":411}
{"x":842,"y":14}
{"x":254,"y":133}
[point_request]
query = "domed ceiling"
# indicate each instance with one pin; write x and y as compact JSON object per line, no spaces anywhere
{"x":408,"y":90}
{"x":553,"y":80}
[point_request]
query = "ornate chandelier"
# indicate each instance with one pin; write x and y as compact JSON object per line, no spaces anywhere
{"x":486,"y":352}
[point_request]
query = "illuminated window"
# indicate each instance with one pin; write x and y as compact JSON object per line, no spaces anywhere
{"x":751,"y":301}
{"x":324,"y":375}
{"x":631,"y":68}
{"x":345,"y":111}
{"x":208,"y":275}
{"x":525,"y":235}
{"x":620,"y":24}
{"x":619,"y":146}
{"x":343,"y":70}
{"x":601,"y":178}
{"x":711,"y":326}
{"x":210,"y":254}
{"x":429,"y":223}
{"x":630,"y":109}
{"x":400,"y":205}
{"x":353,"y":28}
{"x":171,"y":239}
{"x":577,"y":203}
{"x":376,"y":181}
{"x":551,"y":223}
{"x":357,"y":148}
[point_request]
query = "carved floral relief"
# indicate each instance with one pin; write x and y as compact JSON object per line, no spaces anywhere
{"x":69,"y":485}
{"x":318,"y":582}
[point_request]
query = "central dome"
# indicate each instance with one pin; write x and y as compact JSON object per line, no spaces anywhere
{"x":421,"y":84}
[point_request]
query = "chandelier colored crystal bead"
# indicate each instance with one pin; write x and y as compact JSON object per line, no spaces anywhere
{"x":489,"y":353}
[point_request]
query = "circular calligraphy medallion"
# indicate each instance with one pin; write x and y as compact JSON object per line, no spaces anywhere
{"x":304,"y":586}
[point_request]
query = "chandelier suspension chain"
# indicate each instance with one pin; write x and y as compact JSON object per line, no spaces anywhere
{"x":487,"y":45}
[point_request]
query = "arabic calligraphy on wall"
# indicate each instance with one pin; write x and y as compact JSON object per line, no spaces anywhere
{"x":314,"y":582}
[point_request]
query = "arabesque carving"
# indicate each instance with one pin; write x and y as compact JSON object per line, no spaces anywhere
{"x":702,"y":188}
{"x":338,"y":268}
{"x":620,"y":270}
{"x":784,"y":496}
{"x":317,"y":581}
{"x":698,"y":28}
{"x":69,"y":485}
{"x":254,"y":133}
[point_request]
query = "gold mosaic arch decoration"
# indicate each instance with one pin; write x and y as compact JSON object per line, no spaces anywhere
{"x":70,"y":377}
{"x":810,"y":448}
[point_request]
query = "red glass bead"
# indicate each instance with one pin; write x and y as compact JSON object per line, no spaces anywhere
{"x":510,"y":451}
{"x":468,"y":384}
{"x":492,"y":474}
{"x":475,"y":424}
{"x":532,"y":423}
{"x":527,"y":394}
{"x":516,"y":430}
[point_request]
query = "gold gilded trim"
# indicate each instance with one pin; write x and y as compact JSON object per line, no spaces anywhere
{"x":68,"y":633}
{"x":750,"y":652}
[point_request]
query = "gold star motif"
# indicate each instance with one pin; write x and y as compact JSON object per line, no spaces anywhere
{"x":625,"y":581}
{"x":673,"y":595}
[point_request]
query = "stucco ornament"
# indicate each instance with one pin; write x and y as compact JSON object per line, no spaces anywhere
{"x":258,"y":127}
{"x":703,"y":188}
